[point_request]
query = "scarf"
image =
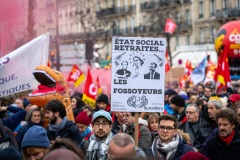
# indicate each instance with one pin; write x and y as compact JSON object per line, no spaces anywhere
{"x":165,"y":150}
{"x":98,"y":149}
{"x":228,"y":139}
{"x":86,"y":132}
{"x":56,"y":128}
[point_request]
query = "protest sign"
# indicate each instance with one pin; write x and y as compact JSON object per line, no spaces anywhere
{"x":16,"y":67}
{"x":138,"y":73}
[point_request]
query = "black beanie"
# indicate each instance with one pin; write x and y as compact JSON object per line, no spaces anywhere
{"x":178,"y":101}
{"x":102,"y":98}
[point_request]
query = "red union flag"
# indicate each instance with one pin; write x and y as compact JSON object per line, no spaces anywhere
{"x":76,"y":76}
{"x":90,"y":91}
{"x":170,"y":26}
{"x":167,"y":65}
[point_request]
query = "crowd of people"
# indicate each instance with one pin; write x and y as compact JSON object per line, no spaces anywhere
{"x":196,"y":124}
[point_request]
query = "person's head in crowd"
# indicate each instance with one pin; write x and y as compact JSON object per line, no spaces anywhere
{"x":121,"y":147}
{"x":82,"y":122}
{"x":171,"y":93}
{"x":102,"y":101}
{"x":193,"y":156}
{"x":55,"y":111}
{"x":26,"y":105}
{"x":34,"y":106}
{"x":153,"y":122}
{"x":101,"y":124}
{"x":229,"y":91}
{"x":192,"y":113}
{"x":119,"y":117}
{"x":167,"y":128}
{"x":227,"y":122}
{"x":62,"y":154}
{"x":19,"y":102}
{"x":200,"y":89}
{"x":35,"y":116}
{"x":207,"y":92}
{"x":35,"y":143}
{"x":166,"y":97}
{"x":66,"y":143}
{"x":129,"y":118}
{"x":237,"y":111}
{"x":76,"y":102}
{"x":193,"y":99}
{"x":214,"y":104}
{"x":234,"y":100}
{"x":177,"y":103}
{"x":200,"y":103}
{"x":88,"y":109}
{"x":77,"y":94}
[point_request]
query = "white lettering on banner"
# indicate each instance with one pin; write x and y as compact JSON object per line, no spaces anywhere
{"x":235,"y":38}
{"x":75,"y":75}
{"x":16,"y":68}
{"x":93,"y":89}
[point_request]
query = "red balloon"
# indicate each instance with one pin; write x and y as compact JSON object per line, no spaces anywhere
{"x":228,"y":39}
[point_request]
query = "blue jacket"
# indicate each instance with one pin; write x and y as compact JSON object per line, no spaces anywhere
{"x":13,"y":121}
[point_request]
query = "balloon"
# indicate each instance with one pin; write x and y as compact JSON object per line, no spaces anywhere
{"x":228,"y":39}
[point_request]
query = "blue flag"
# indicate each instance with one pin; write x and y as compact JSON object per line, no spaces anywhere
{"x":198,"y":73}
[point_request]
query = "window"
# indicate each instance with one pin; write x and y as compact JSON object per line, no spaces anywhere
{"x":238,"y":3}
{"x":212,"y":7}
{"x":188,"y":19}
{"x":201,"y":9}
{"x":125,"y":26}
{"x":133,"y":24}
{"x":201,"y":35}
{"x":188,"y":40}
{"x":213,"y":31}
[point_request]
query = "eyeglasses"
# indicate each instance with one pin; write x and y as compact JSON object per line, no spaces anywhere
{"x":104,"y":124}
{"x":127,"y":115}
{"x":163,"y":128}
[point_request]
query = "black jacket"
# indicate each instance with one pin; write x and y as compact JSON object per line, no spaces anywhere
{"x":218,"y":150}
{"x":69,"y":131}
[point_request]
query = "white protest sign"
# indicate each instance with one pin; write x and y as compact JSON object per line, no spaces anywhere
{"x":138,"y":74}
{"x":16,"y":67}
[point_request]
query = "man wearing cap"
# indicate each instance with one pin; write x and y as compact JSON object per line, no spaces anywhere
{"x":178,"y":105}
{"x":96,"y":147}
{"x":234,"y":101}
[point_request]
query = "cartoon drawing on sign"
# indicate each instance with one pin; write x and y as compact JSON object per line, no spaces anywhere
{"x":152,"y":74}
{"x":137,"y":101}
{"x":118,"y":59}
{"x":137,"y":63}
{"x":123,"y":73}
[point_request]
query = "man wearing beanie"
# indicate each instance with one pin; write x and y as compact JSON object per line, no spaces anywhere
{"x":96,"y":147}
{"x":35,"y":143}
{"x":60,"y":126}
{"x":102,"y":102}
{"x":178,"y":105}
{"x":83,"y":121}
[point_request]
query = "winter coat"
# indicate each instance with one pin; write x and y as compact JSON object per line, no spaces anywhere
{"x":218,"y":150}
{"x":70,"y":131}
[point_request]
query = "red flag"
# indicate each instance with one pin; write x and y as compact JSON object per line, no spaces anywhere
{"x":210,"y":72}
{"x":76,"y":76}
{"x":170,"y":26}
{"x":90,"y":91}
{"x":222,"y":74}
{"x":167,"y":64}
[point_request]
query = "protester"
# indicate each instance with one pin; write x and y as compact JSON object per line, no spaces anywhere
{"x":169,"y":94}
{"x":118,"y":121}
{"x":62,"y":154}
{"x":67,"y":144}
{"x":178,"y":105}
{"x":96,"y":146}
{"x":122,"y":147}
{"x":225,"y":144}
{"x":19,"y":102}
{"x":60,"y":126}
{"x":35,"y":143}
{"x":10,"y":153}
{"x":192,"y":124}
{"x":83,"y":123}
{"x":144,"y":135}
{"x":234,"y":100}
{"x":102,"y":103}
{"x":153,"y":125}
{"x":169,"y":144}
{"x":76,"y":104}
{"x":35,"y":117}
